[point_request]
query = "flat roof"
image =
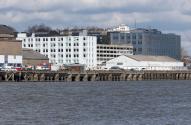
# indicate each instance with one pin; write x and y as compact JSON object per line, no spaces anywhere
{"x":152,"y":58}
{"x":30,"y":54}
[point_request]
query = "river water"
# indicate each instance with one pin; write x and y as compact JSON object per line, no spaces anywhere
{"x":96,"y":103}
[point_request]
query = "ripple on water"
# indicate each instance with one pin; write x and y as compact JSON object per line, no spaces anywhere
{"x":101,"y":103}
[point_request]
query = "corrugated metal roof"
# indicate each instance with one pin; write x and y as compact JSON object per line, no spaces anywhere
{"x":152,"y":58}
{"x":30,"y":54}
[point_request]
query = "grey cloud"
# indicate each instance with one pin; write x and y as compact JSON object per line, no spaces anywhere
{"x":94,"y":12}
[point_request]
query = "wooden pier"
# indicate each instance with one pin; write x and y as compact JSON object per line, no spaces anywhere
{"x":112,"y":75}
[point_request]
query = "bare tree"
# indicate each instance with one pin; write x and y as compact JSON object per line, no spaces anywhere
{"x":38,"y":28}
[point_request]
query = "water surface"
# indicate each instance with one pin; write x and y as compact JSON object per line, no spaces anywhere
{"x":96,"y":103}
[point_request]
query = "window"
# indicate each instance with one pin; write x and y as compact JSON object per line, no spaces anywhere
{"x":139,"y":42}
{"x":122,"y":36}
{"x":128,"y":36}
{"x":134,"y":49}
{"x":140,"y":49}
{"x":134,"y":42}
{"x":134,"y":36}
{"x":140,"y":36}
{"x":115,"y":36}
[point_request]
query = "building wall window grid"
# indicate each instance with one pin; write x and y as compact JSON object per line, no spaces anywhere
{"x":43,"y":50}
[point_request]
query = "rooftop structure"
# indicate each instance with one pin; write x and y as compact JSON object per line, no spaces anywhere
{"x":121,"y":28}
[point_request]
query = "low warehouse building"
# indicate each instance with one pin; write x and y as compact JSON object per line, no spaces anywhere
{"x":33,"y":58}
{"x":140,"y":62}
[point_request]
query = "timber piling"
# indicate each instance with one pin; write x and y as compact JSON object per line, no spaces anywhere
{"x":112,"y":75}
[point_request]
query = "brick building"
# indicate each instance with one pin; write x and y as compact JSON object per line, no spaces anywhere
{"x":10,"y":48}
{"x":11,"y":52}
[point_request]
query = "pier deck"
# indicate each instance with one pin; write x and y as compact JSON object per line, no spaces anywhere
{"x":111,"y":75}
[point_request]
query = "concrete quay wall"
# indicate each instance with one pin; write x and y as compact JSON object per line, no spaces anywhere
{"x":113,"y":75}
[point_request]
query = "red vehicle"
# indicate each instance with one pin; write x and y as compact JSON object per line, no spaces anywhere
{"x":19,"y":68}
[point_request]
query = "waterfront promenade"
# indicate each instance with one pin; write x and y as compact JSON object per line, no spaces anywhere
{"x":98,"y":75}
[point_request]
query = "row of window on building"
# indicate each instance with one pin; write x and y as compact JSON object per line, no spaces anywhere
{"x":53,"y":44}
{"x":52,"y":39}
{"x":59,"y":50}
{"x":110,"y":52}
{"x":123,"y":36}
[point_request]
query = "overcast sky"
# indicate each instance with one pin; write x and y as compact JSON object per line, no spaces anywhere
{"x":166,"y":15}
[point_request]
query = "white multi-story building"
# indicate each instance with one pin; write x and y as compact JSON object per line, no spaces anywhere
{"x":108,"y":52}
{"x":64,"y":49}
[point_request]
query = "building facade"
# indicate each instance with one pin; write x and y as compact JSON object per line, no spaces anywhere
{"x":63,"y":49}
{"x":10,"y":48}
{"x":108,"y":52}
{"x":149,"y":42}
